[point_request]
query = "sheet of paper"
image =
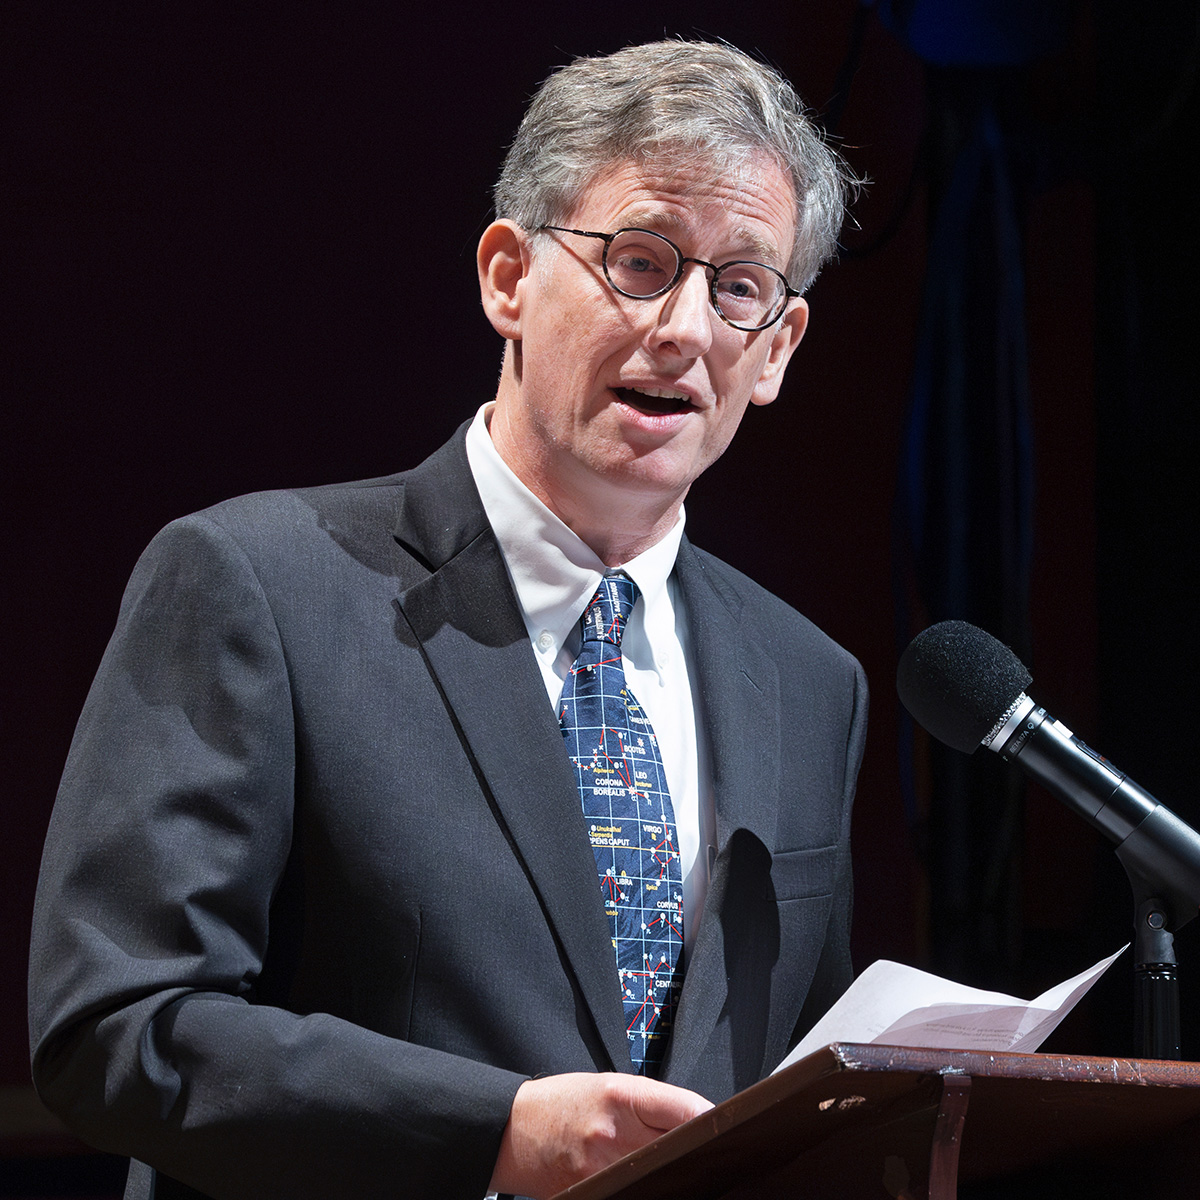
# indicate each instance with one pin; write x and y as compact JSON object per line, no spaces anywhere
{"x":897,"y":1005}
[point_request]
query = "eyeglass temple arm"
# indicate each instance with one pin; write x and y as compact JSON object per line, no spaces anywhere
{"x":604,"y":237}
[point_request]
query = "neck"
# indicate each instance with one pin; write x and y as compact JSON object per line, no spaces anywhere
{"x":615,"y":518}
{"x":616,"y":540}
{"x":617,"y":524}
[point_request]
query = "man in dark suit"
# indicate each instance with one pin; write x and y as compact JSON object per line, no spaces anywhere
{"x":319,"y":914}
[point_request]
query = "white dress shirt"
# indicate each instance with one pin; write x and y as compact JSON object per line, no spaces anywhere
{"x":555,"y":574}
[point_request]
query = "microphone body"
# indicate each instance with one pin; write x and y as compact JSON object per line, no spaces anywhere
{"x":1151,"y":839}
{"x":968,"y":690}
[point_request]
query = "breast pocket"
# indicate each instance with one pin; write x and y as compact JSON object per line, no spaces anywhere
{"x":801,"y":874}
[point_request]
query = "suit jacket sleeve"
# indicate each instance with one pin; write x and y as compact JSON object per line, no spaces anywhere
{"x":168,"y":846}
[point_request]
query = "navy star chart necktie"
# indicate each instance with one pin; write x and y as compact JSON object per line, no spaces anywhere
{"x":630,"y":822}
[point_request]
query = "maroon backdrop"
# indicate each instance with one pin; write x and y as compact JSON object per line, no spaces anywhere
{"x":213,"y":221}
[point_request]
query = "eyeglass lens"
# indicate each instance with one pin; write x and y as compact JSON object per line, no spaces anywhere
{"x":643,"y":264}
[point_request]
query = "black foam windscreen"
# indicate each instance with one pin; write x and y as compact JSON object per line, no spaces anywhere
{"x":958,"y":681}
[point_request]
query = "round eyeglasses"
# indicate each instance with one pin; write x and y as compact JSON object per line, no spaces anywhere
{"x":642,"y":265}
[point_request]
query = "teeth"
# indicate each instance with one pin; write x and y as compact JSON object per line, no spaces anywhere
{"x":659,"y":393}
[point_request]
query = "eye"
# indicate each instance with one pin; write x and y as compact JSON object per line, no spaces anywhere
{"x":641,"y":263}
{"x":748,"y":293}
{"x":739,"y":283}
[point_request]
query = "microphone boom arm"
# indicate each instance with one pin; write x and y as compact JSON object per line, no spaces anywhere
{"x":1155,"y":846}
{"x":1159,"y":851}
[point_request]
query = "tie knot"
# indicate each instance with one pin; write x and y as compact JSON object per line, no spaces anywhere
{"x":605,"y":616}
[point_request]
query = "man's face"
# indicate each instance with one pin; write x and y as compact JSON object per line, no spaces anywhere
{"x":616,"y":399}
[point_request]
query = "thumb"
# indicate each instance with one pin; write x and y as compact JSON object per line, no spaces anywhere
{"x":662,"y":1106}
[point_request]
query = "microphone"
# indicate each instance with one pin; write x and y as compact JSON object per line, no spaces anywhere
{"x":968,"y":690}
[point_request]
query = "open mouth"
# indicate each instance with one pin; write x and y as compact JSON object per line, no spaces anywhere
{"x":658,"y":402}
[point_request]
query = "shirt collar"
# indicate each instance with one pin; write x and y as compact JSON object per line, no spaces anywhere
{"x":554,"y":572}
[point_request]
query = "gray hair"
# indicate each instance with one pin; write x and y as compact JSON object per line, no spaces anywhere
{"x":673,"y":102}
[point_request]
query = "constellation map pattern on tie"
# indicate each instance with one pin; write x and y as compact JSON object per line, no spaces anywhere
{"x":630,"y":822}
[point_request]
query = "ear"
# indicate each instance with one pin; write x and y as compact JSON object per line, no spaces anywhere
{"x":785,"y":337}
{"x":503,"y":263}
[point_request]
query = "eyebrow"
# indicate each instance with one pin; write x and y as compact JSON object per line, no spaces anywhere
{"x":657,"y":221}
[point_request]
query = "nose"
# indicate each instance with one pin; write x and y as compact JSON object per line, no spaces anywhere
{"x":685,"y":318}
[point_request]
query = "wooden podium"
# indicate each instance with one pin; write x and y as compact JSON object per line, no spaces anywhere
{"x":855,"y":1122}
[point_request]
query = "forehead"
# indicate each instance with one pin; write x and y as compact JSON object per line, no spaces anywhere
{"x":746,"y":212}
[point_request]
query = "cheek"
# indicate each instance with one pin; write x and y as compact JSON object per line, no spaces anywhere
{"x":561,"y":384}
{"x":582,"y":348}
{"x":729,"y":424}
{"x":752,"y":367}
{"x":733,"y":372}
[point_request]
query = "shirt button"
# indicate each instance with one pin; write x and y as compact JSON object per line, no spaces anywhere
{"x":662,"y":662}
{"x":545,"y":640}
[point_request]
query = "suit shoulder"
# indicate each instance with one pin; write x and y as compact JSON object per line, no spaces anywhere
{"x":360,"y":499}
{"x":774,"y":620}
{"x":291,"y":533}
{"x":278,"y":532}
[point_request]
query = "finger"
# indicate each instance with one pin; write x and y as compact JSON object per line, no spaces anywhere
{"x":662,"y":1106}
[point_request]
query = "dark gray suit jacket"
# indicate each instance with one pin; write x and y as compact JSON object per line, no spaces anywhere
{"x":317,"y":894}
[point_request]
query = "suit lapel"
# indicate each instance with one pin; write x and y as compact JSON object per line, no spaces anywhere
{"x":465,"y":618}
{"x":738,"y":683}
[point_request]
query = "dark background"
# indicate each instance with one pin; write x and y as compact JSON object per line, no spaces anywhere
{"x":210,"y":225}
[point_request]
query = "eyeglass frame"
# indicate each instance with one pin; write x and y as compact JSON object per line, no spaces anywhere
{"x":789,"y":292}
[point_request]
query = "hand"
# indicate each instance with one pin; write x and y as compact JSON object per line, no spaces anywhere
{"x":563,"y":1128}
